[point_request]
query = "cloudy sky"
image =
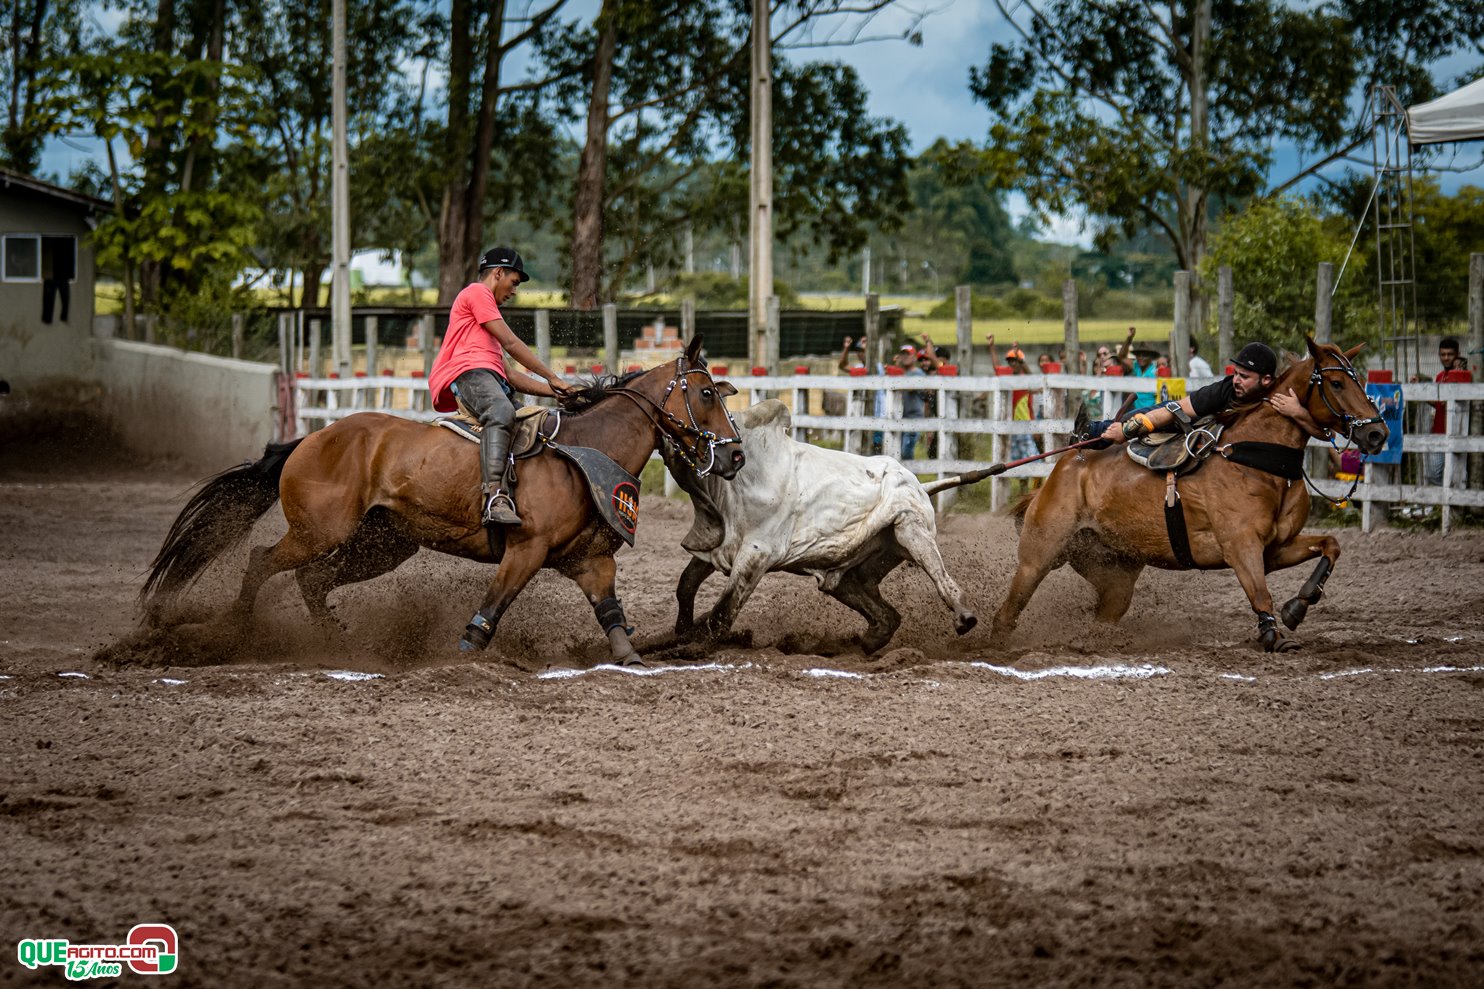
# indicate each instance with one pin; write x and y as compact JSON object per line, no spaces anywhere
{"x":927,"y":89}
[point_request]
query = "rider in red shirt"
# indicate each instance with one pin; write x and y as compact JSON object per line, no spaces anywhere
{"x":470,"y":372}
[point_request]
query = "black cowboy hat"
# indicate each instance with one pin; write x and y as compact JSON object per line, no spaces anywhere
{"x":1147,"y":350}
{"x":504,"y":257}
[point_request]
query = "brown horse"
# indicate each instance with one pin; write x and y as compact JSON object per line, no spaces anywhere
{"x":1104,"y":514}
{"x":363,"y":494}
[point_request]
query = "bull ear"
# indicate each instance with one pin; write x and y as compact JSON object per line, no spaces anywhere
{"x":693,"y":352}
{"x":725,"y":389}
{"x":1350,"y":354}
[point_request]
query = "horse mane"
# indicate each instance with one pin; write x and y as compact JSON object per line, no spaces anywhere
{"x":594,"y":390}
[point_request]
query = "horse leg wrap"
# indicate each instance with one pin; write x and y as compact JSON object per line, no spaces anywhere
{"x":477,"y":634}
{"x":1313,"y":588}
{"x":1267,"y":630}
{"x":610,"y":615}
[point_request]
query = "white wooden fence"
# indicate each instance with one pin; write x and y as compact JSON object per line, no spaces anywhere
{"x":320,"y":401}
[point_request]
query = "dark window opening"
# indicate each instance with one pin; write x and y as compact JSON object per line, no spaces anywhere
{"x":58,"y":272}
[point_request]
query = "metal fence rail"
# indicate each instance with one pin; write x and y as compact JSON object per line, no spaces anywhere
{"x":969,"y":408}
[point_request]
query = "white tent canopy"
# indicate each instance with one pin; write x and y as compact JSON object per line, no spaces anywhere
{"x":1459,"y":116}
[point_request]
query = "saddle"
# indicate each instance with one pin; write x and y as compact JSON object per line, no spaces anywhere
{"x":535,"y":425}
{"x":614,"y":491}
{"x":1179,"y":451}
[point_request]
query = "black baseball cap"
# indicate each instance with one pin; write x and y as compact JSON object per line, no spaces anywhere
{"x":1257,"y":357}
{"x":504,"y":257}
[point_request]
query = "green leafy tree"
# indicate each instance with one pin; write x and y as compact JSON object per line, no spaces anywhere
{"x":1274,"y":247}
{"x":1146,"y":116}
{"x":35,"y":32}
{"x":185,"y":234}
{"x":663,"y":88}
{"x":283,"y":165}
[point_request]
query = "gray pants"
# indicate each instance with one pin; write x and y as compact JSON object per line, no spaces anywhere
{"x":491,"y":400}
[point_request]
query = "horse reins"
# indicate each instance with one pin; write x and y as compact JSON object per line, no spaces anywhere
{"x":710,"y":440}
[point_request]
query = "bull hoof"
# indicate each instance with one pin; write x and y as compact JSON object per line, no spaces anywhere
{"x":965,"y":623}
{"x":1293,"y":612}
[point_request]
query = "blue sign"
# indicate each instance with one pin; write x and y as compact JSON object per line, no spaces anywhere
{"x":1388,"y":399}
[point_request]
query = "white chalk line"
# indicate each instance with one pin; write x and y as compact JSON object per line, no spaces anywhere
{"x":638,"y":671}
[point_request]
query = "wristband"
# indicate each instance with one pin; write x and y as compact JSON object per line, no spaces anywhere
{"x":1138,"y":425}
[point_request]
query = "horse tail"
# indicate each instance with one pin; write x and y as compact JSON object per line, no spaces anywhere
{"x":216,"y":518}
{"x":1021,"y":505}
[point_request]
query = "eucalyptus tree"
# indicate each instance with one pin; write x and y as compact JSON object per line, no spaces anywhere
{"x":663,"y":91}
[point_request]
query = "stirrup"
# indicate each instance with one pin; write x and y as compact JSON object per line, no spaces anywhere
{"x":499,"y":509}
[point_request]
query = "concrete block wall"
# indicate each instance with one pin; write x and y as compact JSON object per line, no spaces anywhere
{"x":208,"y":412}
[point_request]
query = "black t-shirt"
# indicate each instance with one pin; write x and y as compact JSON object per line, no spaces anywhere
{"x":1213,"y":398}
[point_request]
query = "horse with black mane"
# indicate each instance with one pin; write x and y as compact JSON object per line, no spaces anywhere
{"x":362,"y":494}
{"x":1244,"y":509}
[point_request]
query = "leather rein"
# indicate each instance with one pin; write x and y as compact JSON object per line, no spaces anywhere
{"x":705,"y":441}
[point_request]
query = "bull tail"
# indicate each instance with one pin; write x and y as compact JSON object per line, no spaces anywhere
{"x":216,"y":518}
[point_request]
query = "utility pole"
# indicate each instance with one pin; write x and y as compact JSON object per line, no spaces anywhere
{"x":340,"y":203}
{"x":760,"y":217}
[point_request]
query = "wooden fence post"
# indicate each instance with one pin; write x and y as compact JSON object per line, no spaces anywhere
{"x":1476,"y":360}
{"x":285,"y":355}
{"x":1071,"y":344}
{"x":371,"y":325}
{"x":872,"y":330}
{"x":425,"y":331}
{"x":1324,"y":286}
{"x":610,"y":337}
{"x":543,"y":336}
{"x":315,"y":371}
{"x":1180,"y":338}
{"x":774,"y":335}
{"x":237,"y":327}
{"x":687,"y":320}
{"x":963,"y":317}
{"x":1223,"y":319}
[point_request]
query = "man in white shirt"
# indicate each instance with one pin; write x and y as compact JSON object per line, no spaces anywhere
{"x":1198,"y":366}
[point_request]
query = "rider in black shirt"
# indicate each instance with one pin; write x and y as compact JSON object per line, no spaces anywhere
{"x":1253,"y":377}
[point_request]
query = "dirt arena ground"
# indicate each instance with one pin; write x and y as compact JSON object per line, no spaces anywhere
{"x":1156,"y":804}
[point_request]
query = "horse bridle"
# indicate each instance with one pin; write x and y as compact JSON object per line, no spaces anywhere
{"x":705,"y":441}
{"x":1316,"y":380}
{"x":1349,"y":422}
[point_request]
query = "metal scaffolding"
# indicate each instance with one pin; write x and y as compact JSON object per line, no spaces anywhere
{"x":1392,"y":220}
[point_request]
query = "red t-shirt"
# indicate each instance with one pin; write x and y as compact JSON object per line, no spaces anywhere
{"x":467,"y":345}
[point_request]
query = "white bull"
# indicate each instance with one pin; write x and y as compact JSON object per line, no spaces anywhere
{"x":844,"y":519}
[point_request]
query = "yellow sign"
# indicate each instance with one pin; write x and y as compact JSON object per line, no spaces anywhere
{"x":1171,"y":389}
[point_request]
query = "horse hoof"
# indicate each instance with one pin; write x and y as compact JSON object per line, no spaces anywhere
{"x":633,"y":661}
{"x":1288,"y":645}
{"x":965,"y":624}
{"x":1293,"y":612}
